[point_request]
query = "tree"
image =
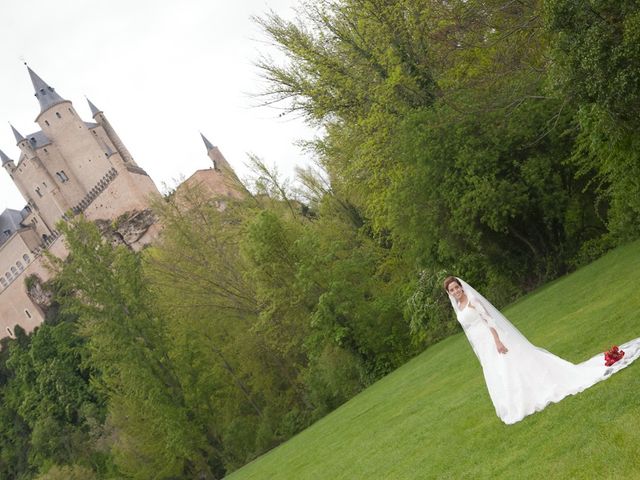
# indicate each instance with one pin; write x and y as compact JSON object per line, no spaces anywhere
{"x":596,"y":67}
{"x":155,"y":433}
{"x":439,"y":129}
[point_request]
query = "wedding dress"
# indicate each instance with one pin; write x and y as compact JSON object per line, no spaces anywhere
{"x":526,"y":378}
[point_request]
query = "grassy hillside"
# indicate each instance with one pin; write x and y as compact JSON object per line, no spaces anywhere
{"x":432,"y":418}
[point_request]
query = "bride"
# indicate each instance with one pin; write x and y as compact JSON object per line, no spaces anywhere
{"x":521,"y":378}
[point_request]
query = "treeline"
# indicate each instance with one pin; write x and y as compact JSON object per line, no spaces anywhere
{"x":495,"y":140}
{"x":248,"y":321}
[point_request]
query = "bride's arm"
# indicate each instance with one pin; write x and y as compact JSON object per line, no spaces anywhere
{"x":492,"y":327}
{"x":499,"y":345}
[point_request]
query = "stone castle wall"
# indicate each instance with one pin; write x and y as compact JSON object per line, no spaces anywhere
{"x":16,"y":306}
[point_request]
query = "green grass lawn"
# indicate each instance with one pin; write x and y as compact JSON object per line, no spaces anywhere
{"x":432,"y":418}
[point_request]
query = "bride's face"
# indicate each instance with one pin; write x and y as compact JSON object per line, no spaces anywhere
{"x":455,"y":290}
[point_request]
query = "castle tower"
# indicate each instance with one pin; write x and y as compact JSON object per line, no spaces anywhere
{"x":68,"y":166}
{"x":36,"y":184}
{"x":220,"y":182}
{"x":73,"y":148}
{"x":69,"y":163}
{"x":101,"y":119}
{"x":219,"y":162}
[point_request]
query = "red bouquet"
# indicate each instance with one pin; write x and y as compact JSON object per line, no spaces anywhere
{"x":613,"y":355}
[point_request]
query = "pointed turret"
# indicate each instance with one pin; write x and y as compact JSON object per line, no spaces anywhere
{"x":207,"y":143}
{"x":25,"y":146}
{"x":17,"y":134}
{"x":45,"y":94}
{"x":94,"y":110}
{"x":7,"y":163}
{"x":219,"y":162}
{"x":5,"y":159}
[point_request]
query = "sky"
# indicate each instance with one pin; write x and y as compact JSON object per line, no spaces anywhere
{"x":162,"y":71}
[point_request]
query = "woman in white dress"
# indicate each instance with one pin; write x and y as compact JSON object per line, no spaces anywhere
{"x":522,"y":378}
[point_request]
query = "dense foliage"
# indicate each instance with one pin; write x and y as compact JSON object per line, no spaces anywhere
{"x":490,"y":139}
{"x":440,"y":126}
{"x":50,"y":411}
{"x":596,"y":52}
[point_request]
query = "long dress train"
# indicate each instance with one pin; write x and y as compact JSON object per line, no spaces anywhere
{"x":527,"y":378}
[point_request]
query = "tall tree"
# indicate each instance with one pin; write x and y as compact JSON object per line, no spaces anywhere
{"x":596,"y":67}
{"x":105,"y":287}
{"x":439,"y":128}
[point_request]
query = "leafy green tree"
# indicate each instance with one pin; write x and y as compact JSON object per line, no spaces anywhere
{"x":50,"y":400}
{"x":327,"y":285}
{"x":596,"y":67}
{"x":265,"y":297}
{"x":14,"y":431}
{"x":232,"y":378}
{"x":105,"y":287}
{"x":439,"y":129}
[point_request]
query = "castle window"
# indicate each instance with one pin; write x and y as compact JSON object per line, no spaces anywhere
{"x":14,"y":271}
{"x":20,"y":266}
{"x":26,"y":258}
{"x":44,"y":184}
{"x":45,"y":150}
{"x":62,"y":176}
{"x":4,"y":282}
{"x":10,"y":332}
{"x":9,"y":276}
{"x":46,"y":122}
{"x":26,"y":312}
{"x":58,"y":115}
{"x":38,"y":191}
{"x":7,"y":233}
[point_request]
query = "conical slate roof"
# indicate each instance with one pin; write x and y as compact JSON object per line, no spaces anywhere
{"x":207,"y":143}
{"x":17,"y":134}
{"x":10,"y":222}
{"x":5,"y":159}
{"x":45,"y":94}
{"x":94,"y":110}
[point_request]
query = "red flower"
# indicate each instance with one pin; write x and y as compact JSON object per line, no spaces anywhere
{"x":613,"y":355}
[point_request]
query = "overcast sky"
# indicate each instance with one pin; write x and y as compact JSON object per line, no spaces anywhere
{"x":161,"y":71}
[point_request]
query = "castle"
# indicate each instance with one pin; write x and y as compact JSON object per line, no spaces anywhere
{"x":71,"y":167}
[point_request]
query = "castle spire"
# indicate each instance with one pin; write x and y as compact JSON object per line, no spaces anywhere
{"x":207,"y":143}
{"x":94,"y":110}
{"x":45,"y":94}
{"x":219,"y":162}
{"x":17,"y":134}
{"x":5,"y":159}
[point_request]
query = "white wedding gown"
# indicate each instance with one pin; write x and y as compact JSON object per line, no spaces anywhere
{"x":527,"y":378}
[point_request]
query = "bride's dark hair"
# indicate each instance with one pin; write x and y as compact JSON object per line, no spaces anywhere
{"x":448,"y":281}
